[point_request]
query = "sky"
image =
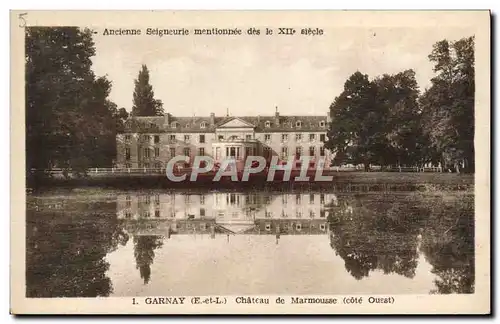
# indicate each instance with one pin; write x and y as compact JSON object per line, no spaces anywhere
{"x":251,"y":75}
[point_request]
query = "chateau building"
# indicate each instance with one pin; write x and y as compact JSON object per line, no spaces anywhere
{"x":150,"y":142}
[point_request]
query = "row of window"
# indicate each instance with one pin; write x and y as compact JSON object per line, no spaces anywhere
{"x":201,"y":152}
{"x":267,"y":124}
{"x":298,"y":227}
{"x":234,"y":199}
{"x":201,"y":138}
{"x":298,"y":151}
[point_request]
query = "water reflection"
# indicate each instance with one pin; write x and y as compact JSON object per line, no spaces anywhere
{"x":84,"y":248}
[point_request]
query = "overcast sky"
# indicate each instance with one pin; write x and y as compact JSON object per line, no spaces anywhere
{"x":250,"y":75}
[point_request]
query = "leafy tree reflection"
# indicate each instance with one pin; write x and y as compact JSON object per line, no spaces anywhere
{"x":387,"y":232}
{"x":144,"y":246}
{"x":65,"y":254}
{"x":448,"y":245}
{"x":375,"y":233}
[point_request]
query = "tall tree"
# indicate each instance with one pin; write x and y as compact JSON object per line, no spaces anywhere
{"x":359,"y":127}
{"x":448,"y":105}
{"x":68,"y":114}
{"x":144,"y":102}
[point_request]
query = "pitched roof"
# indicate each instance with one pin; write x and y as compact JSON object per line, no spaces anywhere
{"x":203,"y":123}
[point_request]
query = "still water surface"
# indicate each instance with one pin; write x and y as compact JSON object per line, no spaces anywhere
{"x":87,"y":243}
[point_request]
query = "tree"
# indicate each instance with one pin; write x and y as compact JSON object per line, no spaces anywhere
{"x":144,"y":247}
{"x":68,"y":115}
{"x":144,"y":102}
{"x":448,"y":105}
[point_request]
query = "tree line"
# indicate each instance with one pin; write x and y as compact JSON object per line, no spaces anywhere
{"x":70,"y":121}
{"x":387,"y":121}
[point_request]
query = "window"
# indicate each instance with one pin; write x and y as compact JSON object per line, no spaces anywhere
{"x":322,"y":227}
{"x":267,"y":151}
{"x":248,"y":151}
{"x":322,"y":213}
{"x":284,"y":137}
{"x":128,"y":215}
{"x":187,"y":138}
{"x":268,"y":227}
{"x":312,"y":137}
{"x":248,"y":137}
{"x":298,"y":151}
{"x":221,"y":137}
{"x":202,"y":212}
{"x":201,"y":151}
{"x":322,"y":137}
{"x":157,"y":199}
{"x":127,"y":153}
{"x":311,"y":151}
{"x":284,"y":152}
{"x":311,"y":214}
{"x":268,"y":124}
{"x":146,"y":152}
{"x":322,"y":199}
{"x":202,"y":138}
{"x":298,"y":199}
{"x":322,"y":151}
{"x":298,"y":124}
{"x":187,"y":151}
{"x":298,"y":227}
{"x":311,"y":198}
{"x":157,"y":139}
{"x":322,"y":123}
{"x":298,"y":137}
{"x":171,"y":138}
{"x":202,"y":200}
{"x":267,"y":137}
{"x":146,"y":165}
{"x":147,"y":214}
{"x":172,"y":151}
{"x":158,"y":165}
{"x":298,"y":214}
{"x":128,"y":165}
{"x":146,"y":138}
{"x":127,"y":137}
{"x":157,"y":151}
{"x":157,"y":213}
{"x":174,"y":124}
{"x":128,"y":201}
{"x":203,"y":125}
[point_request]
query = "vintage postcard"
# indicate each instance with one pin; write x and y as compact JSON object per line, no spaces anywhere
{"x":250,"y":162}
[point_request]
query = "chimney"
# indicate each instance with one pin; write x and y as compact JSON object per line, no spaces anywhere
{"x":166,"y":121}
{"x":258,"y":119}
{"x":277,"y":117}
{"x":328,"y":117}
{"x":212,"y":119}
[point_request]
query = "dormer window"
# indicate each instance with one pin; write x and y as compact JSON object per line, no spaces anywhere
{"x":151,"y":125}
{"x":203,"y":125}
{"x":298,"y":124}
{"x":268,"y":124}
{"x":174,"y":124}
{"x":322,"y":123}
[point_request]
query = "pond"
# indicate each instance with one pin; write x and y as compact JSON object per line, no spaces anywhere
{"x":96,"y":242}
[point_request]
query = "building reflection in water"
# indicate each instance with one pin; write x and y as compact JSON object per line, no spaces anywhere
{"x":225,"y":213}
